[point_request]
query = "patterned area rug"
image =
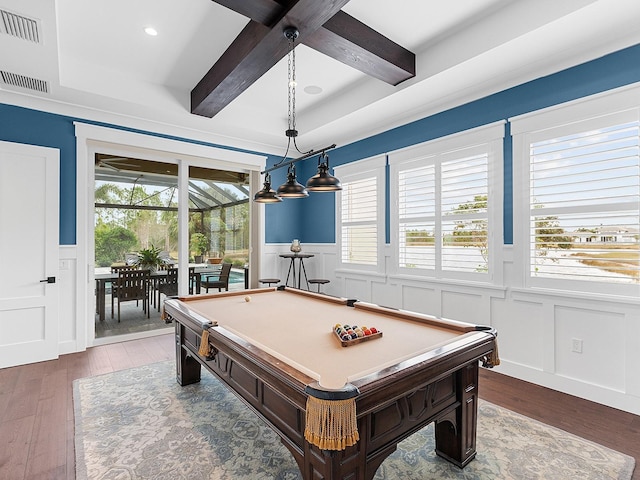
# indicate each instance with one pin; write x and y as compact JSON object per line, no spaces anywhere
{"x":140,"y":424}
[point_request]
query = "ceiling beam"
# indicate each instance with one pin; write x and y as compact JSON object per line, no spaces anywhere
{"x":245,"y":61}
{"x":266,"y":12}
{"x":322,"y":26}
{"x":254,"y":52}
{"x":353,"y":43}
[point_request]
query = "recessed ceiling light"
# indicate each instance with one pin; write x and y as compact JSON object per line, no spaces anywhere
{"x":151,"y":31}
{"x":313,"y":90}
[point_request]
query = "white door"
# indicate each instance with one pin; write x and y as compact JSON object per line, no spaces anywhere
{"x":29,"y":199}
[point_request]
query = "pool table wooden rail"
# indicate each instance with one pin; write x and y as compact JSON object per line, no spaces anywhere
{"x":438,"y":386}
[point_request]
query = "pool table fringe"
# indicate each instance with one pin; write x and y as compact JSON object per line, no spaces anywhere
{"x":331,"y":424}
{"x":203,"y":351}
{"x":494,"y":358}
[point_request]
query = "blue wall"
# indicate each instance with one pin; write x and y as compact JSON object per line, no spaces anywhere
{"x":316,"y":223}
{"x":312,"y":220}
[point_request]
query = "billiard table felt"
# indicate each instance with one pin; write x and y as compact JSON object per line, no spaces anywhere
{"x":298,"y":330}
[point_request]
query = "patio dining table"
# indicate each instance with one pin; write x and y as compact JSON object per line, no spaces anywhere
{"x":102,"y":279}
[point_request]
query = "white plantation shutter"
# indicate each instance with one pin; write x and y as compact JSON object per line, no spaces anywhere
{"x":578,"y":166}
{"x":417,"y":214}
{"x":465,"y":191}
{"x":360,"y":203}
{"x":359,"y":222}
{"x":446,"y":204}
{"x":584,"y":198}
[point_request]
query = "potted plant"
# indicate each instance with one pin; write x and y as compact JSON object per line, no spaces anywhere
{"x":199,"y":245}
{"x":149,"y":258}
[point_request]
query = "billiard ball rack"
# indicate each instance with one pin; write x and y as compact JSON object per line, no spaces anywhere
{"x":340,"y":331}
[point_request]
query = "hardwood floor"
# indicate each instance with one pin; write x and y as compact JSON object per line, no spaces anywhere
{"x":37,"y":427}
{"x":36,"y":406}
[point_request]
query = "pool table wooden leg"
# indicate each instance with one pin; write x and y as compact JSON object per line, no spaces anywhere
{"x":333,"y":465}
{"x":187,"y":367}
{"x":456,"y":430}
{"x":351,"y":463}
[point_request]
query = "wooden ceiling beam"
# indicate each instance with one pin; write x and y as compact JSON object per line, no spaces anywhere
{"x":245,"y":61}
{"x":254,"y":52}
{"x":322,"y":26}
{"x":266,"y":12}
{"x":353,"y":43}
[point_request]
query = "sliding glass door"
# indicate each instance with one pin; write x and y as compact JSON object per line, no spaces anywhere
{"x":138,"y":215}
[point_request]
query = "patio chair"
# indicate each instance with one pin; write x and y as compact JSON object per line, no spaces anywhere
{"x":116,"y":269}
{"x":194,"y":281}
{"x":218,"y":281}
{"x":168,"y":285}
{"x":131,"y":285}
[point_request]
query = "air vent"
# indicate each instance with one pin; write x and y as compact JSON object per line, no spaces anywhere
{"x":23,"y":81}
{"x":19,"y":26}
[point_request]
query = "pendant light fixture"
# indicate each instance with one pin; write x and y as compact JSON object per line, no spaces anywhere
{"x":267,"y":194}
{"x":292,"y":189}
{"x":322,"y":181}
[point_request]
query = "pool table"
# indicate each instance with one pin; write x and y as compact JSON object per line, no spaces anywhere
{"x":277,"y":350}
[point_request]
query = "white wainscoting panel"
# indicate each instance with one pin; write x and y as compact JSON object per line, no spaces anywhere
{"x":359,"y":288}
{"x":71,"y":328}
{"x":469,"y":307}
{"x":383,"y":294}
{"x":598,"y":333}
{"x":511,"y":318}
{"x":421,"y":298}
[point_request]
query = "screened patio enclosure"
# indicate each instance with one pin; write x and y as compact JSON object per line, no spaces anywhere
{"x":136,"y":209}
{"x":139,"y":197}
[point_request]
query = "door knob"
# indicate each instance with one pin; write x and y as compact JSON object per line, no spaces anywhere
{"x":49,"y":280}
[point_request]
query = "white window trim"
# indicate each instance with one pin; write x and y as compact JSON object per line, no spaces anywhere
{"x":361,"y":169}
{"x":491,"y":135}
{"x":618,"y":105}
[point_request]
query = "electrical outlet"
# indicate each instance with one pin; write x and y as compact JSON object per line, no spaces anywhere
{"x":576,"y":345}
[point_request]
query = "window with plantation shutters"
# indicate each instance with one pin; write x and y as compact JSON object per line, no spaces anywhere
{"x":465,"y":193}
{"x":417,"y":217}
{"x":582,"y":200}
{"x":359,"y":222}
{"x":361,"y":214}
{"x":445,"y":204}
{"x":442,"y":213}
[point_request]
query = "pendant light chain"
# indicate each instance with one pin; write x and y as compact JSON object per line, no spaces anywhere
{"x":292,"y":84}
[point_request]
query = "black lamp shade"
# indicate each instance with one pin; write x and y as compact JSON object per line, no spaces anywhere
{"x":323,"y":181}
{"x":267,"y":194}
{"x":291,"y":188}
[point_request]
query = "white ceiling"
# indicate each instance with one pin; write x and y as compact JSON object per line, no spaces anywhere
{"x":100,"y":65}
